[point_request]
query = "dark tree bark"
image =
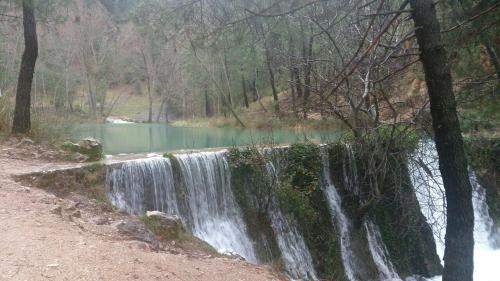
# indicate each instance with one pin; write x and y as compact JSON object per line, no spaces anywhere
{"x":253,"y":87}
{"x":244,"y":89}
{"x":271,"y":79}
{"x":459,"y":240}
{"x":208,"y":107}
{"x":307,"y":54}
{"x":493,"y":59}
{"x":293,"y":92}
{"x":298,"y":83}
{"x":22,"y":114}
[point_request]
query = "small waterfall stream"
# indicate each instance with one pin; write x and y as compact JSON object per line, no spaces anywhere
{"x":294,"y":251}
{"x":339,"y":218}
{"x":429,"y":188}
{"x":197,"y":188}
{"x":377,"y":248}
{"x":379,"y":253}
{"x":202,"y":197}
{"x":208,"y":206}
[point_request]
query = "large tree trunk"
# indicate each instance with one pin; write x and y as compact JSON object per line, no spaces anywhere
{"x":459,"y":240}
{"x":22,"y":115}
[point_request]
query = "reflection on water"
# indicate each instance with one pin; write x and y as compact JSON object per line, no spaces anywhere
{"x":143,"y":138}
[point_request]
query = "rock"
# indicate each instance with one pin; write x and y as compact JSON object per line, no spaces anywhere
{"x":26,"y":142}
{"x":80,"y":157}
{"x":56,"y":210}
{"x":139,"y":245}
{"x":168,"y":220}
{"x":89,"y":147}
{"x":53,"y":265}
{"x":136,"y":229}
{"x":76,"y":214}
{"x":99,"y":220}
{"x":168,"y":227}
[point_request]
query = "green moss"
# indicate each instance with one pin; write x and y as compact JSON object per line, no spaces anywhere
{"x":183,"y":239}
{"x":168,"y":155}
{"x":386,"y":196}
{"x":300,"y":195}
{"x":93,"y":151}
{"x":163,"y":232}
{"x":484,"y":157}
{"x":253,"y":189}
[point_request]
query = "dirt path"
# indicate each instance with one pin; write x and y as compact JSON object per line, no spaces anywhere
{"x":36,"y":244}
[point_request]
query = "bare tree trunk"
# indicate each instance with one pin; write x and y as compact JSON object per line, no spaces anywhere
{"x":160,"y":111}
{"x":244,"y":89}
{"x":208,"y":107}
{"x":149,"y":84}
{"x":493,"y":59}
{"x":307,"y":53}
{"x":459,"y":240}
{"x":271,"y":79}
{"x":293,"y":92}
{"x":22,"y":114}
{"x":253,"y":86}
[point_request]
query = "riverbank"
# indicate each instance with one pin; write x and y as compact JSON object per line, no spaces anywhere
{"x":48,"y":237}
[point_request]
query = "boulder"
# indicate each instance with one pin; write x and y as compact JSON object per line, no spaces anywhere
{"x":137,"y":230}
{"x":167,"y":220}
{"x":88,"y":147}
{"x":167,"y":227}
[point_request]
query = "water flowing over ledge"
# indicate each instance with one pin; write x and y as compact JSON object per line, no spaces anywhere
{"x":429,"y":188}
{"x":198,"y":188}
{"x":200,"y":195}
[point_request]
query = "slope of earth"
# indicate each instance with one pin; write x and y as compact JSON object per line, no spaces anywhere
{"x":38,"y":241}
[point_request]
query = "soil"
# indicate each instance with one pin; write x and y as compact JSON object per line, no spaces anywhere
{"x":45,"y":237}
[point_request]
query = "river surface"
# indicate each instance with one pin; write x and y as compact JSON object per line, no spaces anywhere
{"x":145,"y":138}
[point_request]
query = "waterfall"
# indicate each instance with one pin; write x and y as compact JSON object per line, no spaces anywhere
{"x":215,"y":216}
{"x":294,"y":252}
{"x":340,"y":220}
{"x":429,"y":188}
{"x":127,"y":186}
{"x":379,"y":253}
{"x":203,"y":199}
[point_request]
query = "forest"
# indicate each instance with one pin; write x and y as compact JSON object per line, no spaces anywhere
{"x":289,"y":133}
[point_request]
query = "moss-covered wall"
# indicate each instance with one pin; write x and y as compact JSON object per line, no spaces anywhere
{"x":300,"y":194}
{"x":387,"y":196}
{"x":484,"y":157}
{"x":298,"y":189}
{"x":253,"y":189}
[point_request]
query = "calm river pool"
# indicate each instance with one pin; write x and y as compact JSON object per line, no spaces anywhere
{"x":145,"y":138}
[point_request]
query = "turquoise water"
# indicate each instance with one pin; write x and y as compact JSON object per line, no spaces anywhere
{"x":145,"y":138}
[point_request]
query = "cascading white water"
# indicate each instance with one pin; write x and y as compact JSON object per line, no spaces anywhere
{"x":340,"y":220}
{"x":379,"y":253}
{"x":385,"y":268}
{"x":211,"y":213}
{"x":424,"y":170}
{"x":294,"y":252}
{"x":216,"y":218}
{"x":126,"y":186}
